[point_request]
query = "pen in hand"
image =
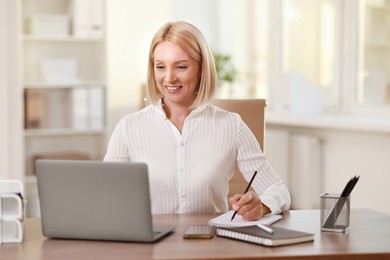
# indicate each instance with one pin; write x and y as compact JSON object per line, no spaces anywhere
{"x":246,"y":190}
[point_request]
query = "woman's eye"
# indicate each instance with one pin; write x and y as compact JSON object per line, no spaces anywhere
{"x":159,"y":67}
{"x":182,"y":67}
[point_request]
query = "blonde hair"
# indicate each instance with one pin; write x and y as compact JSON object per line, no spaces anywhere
{"x":192,"y":41}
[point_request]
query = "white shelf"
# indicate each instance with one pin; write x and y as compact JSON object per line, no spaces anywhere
{"x":63,"y":81}
{"x":379,"y":7}
{"x":66,"y":38}
{"x":43,"y":85}
{"x":335,"y":122}
{"x":377,"y":45}
{"x":62,"y":131}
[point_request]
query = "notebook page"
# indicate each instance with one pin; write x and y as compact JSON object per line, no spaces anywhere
{"x":225,"y":221}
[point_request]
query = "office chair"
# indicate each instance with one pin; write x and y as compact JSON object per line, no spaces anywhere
{"x":252,"y":111}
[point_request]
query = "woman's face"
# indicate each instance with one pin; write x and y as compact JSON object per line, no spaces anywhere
{"x":176,"y":73}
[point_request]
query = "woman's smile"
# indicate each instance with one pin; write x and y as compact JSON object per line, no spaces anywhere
{"x":172,"y":88}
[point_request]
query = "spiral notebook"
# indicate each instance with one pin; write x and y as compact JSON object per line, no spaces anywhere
{"x":253,"y":234}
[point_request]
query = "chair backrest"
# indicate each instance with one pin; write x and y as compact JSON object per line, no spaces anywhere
{"x":252,"y":111}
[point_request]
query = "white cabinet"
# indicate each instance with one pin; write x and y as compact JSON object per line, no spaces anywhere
{"x":63,"y":80}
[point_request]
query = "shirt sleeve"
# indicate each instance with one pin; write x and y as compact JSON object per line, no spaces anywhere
{"x":277,"y":199}
{"x":268,"y":185}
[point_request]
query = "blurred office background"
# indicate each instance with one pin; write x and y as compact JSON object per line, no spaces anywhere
{"x":322,"y":65}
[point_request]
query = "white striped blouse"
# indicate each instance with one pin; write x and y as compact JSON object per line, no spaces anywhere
{"x":189,"y":171}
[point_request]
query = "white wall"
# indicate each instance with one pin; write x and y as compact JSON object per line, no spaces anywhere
{"x":365,"y":154}
{"x":201,"y":13}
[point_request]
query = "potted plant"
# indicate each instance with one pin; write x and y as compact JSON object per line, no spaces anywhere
{"x":227,"y":74}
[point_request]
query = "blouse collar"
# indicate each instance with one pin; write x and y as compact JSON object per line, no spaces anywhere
{"x":159,"y":108}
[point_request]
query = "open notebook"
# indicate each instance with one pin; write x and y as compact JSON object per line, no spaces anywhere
{"x":224,"y":220}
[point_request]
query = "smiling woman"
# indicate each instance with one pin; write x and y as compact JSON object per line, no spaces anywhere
{"x":190,"y":146}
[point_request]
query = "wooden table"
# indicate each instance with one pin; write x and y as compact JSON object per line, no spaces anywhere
{"x":368,"y":238}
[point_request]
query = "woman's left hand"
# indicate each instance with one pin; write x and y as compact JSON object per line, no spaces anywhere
{"x":249,"y":206}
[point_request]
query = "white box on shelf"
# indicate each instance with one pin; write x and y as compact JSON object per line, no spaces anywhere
{"x":96,"y":30}
{"x":79,"y":11}
{"x":80,"y":108}
{"x":87,"y":18}
{"x":60,"y":71}
{"x":50,"y":25}
{"x":96,"y":107}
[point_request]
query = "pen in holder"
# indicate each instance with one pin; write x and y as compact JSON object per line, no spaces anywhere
{"x":335,"y":212}
{"x":336,"y":209}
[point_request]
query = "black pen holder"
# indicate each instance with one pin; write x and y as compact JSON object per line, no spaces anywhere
{"x":335,"y":213}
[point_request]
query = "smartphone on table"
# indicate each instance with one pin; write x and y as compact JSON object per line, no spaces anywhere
{"x":199,"y":231}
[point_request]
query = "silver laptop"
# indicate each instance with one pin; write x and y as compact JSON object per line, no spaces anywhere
{"x":96,"y":200}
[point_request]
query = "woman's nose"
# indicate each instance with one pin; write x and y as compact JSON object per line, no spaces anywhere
{"x":170,"y":75}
